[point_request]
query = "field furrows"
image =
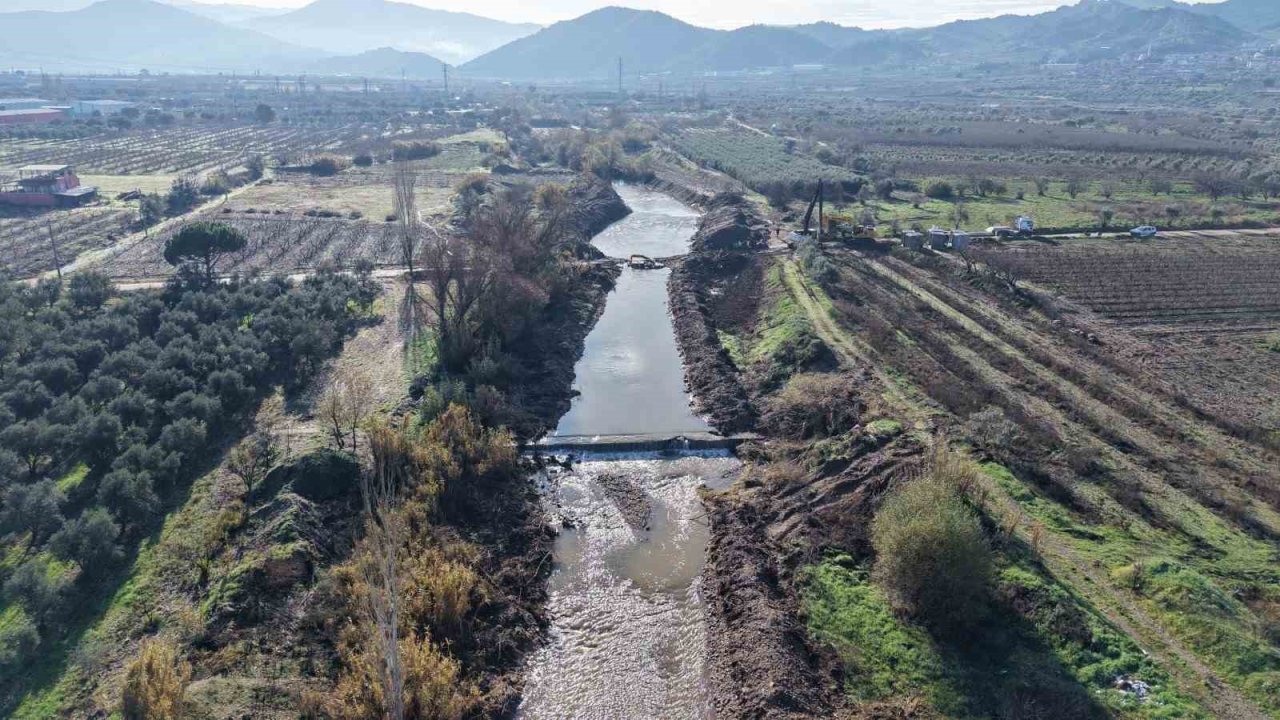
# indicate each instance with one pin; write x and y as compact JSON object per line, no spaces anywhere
{"x":27,"y":243}
{"x":1114,"y":407}
{"x":189,"y":150}
{"x":277,"y":244}
{"x":1205,"y":285}
{"x":1150,"y":485}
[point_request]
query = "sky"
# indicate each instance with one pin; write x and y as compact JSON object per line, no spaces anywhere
{"x":708,"y":13}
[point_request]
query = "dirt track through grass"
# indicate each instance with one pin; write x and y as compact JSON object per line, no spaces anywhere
{"x":852,"y":351}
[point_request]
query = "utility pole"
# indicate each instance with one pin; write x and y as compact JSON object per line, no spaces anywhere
{"x":53,"y":243}
{"x":821,"y":201}
{"x":619,"y":76}
{"x":445,"y":68}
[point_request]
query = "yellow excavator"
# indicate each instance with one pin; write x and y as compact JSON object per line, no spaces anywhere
{"x":844,"y":227}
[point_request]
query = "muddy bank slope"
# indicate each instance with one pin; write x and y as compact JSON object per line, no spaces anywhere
{"x":709,"y":370}
{"x":594,"y":205}
{"x":728,"y":236}
{"x":546,"y":355}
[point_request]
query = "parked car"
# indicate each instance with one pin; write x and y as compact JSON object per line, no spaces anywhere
{"x":1143,"y":232}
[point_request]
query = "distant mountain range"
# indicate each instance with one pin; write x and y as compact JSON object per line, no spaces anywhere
{"x":382,"y":38}
{"x":132,"y":34}
{"x":647,"y":41}
{"x":383,"y":62}
{"x":354,"y":26}
{"x":229,"y":13}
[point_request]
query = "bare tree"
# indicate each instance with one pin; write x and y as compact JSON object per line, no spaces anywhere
{"x":346,"y":403}
{"x":253,"y":458}
{"x":406,"y":211}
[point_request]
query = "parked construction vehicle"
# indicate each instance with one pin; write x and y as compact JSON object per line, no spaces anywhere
{"x":841,"y":227}
{"x":643,"y":262}
{"x":844,"y":227}
{"x":795,"y":236}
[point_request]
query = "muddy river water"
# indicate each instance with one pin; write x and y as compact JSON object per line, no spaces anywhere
{"x":627,"y":637}
{"x":630,"y":379}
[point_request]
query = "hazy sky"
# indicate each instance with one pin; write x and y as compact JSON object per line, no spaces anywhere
{"x":736,"y":13}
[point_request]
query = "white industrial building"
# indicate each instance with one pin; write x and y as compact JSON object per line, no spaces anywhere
{"x":23,"y":103}
{"x":105,"y":108}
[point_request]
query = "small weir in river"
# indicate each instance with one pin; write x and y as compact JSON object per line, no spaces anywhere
{"x":627,"y":633}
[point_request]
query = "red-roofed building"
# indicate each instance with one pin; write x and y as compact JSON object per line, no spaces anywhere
{"x":46,"y":186}
{"x":32,"y":115}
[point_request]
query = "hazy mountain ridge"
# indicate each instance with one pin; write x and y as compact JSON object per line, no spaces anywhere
{"x":648,"y":41}
{"x":383,"y":62}
{"x":363,"y":37}
{"x":124,"y":34}
{"x":354,"y":26}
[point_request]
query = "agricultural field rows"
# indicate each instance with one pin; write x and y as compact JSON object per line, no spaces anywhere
{"x":280,"y":243}
{"x":182,"y":150}
{"x":753,"y":158}
{"x":1153,"y":507}
{"x":925,"y":160}
{"x":1147,"y":287}
{"x":26,"y":247}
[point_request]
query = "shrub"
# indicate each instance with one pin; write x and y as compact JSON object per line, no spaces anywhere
{"x":183,"y":195}
{"x":87,"y":291}
{"x":931,"y":556}
{"x":990,"y":430}
{"x":40,"y":588}
{"x":813,"y":405}
{"x":362,"y":160}
{"x":33,"y":509}
{"x":940,"y":190}
{"x":326,"y":165}
{"x":155,"y":683}
{"x":414,"y":149}
{"x":89,"y":541}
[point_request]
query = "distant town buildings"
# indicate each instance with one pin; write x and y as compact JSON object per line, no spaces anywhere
{"x":30,"y":115}
{"x":23,"y":103}
{"x":104,"y":108}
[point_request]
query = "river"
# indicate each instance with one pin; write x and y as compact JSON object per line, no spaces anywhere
{"x":627,"y":636}
{"x":630,"y":379}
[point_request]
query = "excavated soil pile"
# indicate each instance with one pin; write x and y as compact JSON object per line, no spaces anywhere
{"x":731,"y":223}
{"x":595,"y":205}
{"x":709,"y":370}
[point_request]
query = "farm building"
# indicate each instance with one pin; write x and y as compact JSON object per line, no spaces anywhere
{"x":28,"y":116}
{"x":105,"y":108}
{"x":23,"y":103}
{"x":46,"y":186}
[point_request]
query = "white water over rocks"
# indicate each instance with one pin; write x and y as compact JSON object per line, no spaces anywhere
{"x":628,"y":632}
